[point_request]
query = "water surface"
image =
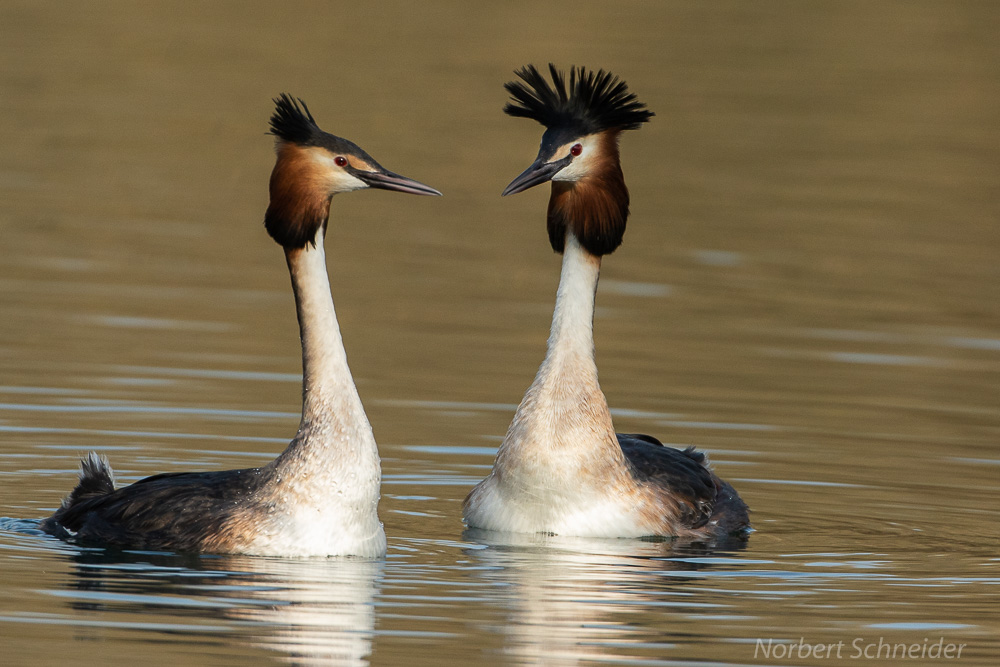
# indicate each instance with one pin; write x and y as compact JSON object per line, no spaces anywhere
{"x":807,"y":290}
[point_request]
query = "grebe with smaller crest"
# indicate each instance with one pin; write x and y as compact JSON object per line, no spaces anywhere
{"x":320,"y":496}
{"x":561,"y":468}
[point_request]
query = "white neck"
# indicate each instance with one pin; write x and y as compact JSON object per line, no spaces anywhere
{"x":335,"y":442}
{"x":324,"y":488}
{"x":571,"y":338}
{"x":325,"y":374}
{"x":565,"y":399}
{"x":560,"y":468}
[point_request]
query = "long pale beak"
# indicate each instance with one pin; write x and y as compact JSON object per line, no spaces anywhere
{"x":538,"y":173}
{"x":386,"y":180}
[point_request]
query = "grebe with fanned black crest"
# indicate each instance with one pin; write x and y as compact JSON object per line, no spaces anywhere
{"x":320,"y":496}
{"x":561,"y":468}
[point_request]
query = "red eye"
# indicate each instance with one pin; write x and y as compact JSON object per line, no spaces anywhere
{"x":576,"y":150}
{"x":340,"y":161}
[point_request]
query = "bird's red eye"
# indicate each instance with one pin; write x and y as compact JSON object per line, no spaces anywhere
{"x":340,"y":161}
{"x":576,"y":150}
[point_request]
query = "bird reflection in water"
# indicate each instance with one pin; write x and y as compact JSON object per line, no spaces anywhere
{"x":308,"y":612}
{"x":576,"y":600}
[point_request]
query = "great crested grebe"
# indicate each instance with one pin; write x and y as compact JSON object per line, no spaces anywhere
{"x":320,"y":496}
{"x":561,"y":468}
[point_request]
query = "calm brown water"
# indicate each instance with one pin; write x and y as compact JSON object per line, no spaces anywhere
{"x":808,"y":290}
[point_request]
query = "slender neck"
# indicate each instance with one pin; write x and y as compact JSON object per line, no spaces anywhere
{"x":329,"y":474}
{"x":328,"y":389}
{"x":571,"y":339}
{"x":563,"y":419}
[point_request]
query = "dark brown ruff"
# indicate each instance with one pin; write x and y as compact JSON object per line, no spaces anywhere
{"x":595,"y":208}
{"x":300,"y":202}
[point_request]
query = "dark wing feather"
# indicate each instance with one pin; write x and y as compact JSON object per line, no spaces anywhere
{"x":681,"y":473}
{"x":175,"y":511}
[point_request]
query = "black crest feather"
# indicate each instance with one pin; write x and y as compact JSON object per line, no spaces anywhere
{"x":292,"y":121}
{"x":593,"y":101}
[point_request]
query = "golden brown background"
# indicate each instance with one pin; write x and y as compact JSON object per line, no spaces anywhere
{"x":808,"y":289}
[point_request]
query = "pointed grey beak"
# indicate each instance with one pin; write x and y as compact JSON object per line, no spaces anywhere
{"x":538,"y":173}
{"x":386,"y":180}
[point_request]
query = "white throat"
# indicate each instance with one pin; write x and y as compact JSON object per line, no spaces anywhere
{"x":560,"y":468}
{"x":563,"y":420}
{"x":571,"y":338}
{"x":326,"y":376}
{"x":328,"y":478}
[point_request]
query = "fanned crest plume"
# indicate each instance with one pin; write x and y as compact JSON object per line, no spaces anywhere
{"x":593,"y":101}
{"x":292,"y":121}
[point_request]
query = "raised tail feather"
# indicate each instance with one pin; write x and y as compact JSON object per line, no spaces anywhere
{"x":96,"y":479}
